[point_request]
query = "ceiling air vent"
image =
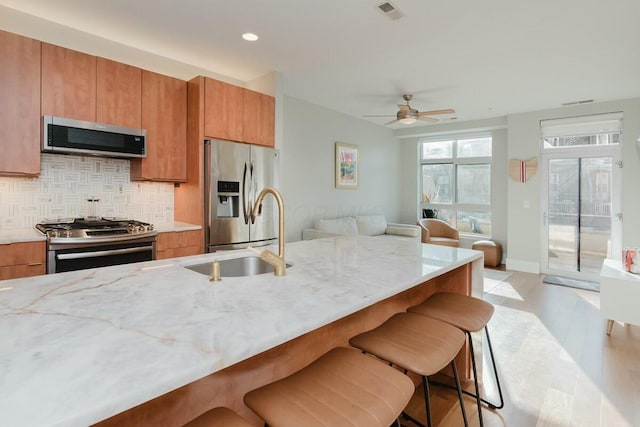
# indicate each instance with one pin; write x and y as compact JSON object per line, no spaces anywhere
{"x":391,"y":11}
{"x":584,"y":101}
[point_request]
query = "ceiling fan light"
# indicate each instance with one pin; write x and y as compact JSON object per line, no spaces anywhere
{"x":407,"y":120}
{"x":250,"y":37}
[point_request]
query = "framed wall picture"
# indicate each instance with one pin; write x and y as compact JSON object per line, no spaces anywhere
{"x":347,"y":166}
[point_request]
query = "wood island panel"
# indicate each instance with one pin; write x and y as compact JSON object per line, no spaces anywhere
{"x":228,"y":386}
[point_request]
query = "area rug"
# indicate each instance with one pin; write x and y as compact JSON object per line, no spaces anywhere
{"x":572,"y":283}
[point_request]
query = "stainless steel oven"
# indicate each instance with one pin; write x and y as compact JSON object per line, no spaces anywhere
{"x":79,"y":244}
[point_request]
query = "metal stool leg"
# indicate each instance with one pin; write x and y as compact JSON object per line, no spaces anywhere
{"x":495,"y":374}
{"x":427,"y":401}
{"x":427,"y":405}
{"x":459,"y":390}
{"x":475,"y":378}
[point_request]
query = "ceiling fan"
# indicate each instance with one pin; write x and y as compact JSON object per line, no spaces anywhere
{"x":407,"y":115}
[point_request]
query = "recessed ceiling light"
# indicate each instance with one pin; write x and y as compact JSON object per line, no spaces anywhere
{"x":250,"y":37}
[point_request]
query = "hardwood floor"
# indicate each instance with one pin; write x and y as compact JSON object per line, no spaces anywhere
{"x":557,"y":366}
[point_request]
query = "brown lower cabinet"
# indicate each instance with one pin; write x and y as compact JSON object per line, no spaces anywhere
{"x":179,"y":243}
{"x":22,"y":259}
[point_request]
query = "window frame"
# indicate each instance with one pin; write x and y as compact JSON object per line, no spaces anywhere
{"x":454,"y":207}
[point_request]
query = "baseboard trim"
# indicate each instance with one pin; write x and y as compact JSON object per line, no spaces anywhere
{"x":524,"y":266}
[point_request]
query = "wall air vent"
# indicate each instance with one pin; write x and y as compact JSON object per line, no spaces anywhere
{"x":584,"y":101}
{"x":391,"y":11}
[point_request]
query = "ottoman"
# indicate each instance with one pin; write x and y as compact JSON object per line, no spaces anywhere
{"x":492,"y":252}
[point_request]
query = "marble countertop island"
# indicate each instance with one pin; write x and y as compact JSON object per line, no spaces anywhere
{"x":79,"y":347}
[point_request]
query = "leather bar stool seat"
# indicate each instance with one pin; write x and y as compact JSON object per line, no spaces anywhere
{"x":470,"y":315}
{"x":218,"y":417}
{"x":418,"y":344}
{"x":341,"y":388}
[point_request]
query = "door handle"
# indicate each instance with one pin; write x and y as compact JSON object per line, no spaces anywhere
{"x":245,"y":208}
{"x":544,"y":219}
{"x":96,"y":254}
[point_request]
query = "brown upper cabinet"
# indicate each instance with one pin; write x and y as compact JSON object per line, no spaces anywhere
{"x":223,"y":104}
{"x":164,"y":116}
{"x":19,"y":105}
{"x":237,"y":114}
{"x":258,"y":118}
{"x":119,"y":94}
{"x":68,"y":83}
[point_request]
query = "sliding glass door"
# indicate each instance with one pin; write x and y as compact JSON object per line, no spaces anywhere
{"x":579,"y":207}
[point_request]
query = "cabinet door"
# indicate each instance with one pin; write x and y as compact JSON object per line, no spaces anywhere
{"x":222,"y":110}
{"x":22,"y":260}
{"x":179,"y":244}
{"x":164,"y":116}
{"x":258,"y":118}
{"x":68,"y":83}
{"x":19,"y":105}
{"x":119,"y":94}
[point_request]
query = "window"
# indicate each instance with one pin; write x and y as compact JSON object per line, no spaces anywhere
{"x":584,"y":131}
{"x":456,"y":182}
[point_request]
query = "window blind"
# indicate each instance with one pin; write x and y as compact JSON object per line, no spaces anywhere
{"x":582,"y":125}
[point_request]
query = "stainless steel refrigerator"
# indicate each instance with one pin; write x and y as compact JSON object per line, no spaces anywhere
{"x":234,"y":176}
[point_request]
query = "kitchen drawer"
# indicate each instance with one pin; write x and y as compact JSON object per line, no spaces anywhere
{"x":23,"y":259}
{"x":179,"y":243}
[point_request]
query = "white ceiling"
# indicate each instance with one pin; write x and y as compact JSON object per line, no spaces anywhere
{"x":483,"y":58}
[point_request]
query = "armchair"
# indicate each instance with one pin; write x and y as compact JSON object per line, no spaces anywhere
{"x":438,"y":232}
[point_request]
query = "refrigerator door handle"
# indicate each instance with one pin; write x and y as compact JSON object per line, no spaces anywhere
{"x":254,"y":190}
{"x":246,"y":209}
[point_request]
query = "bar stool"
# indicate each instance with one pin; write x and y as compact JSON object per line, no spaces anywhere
{"x":218,"y":417}
{"x":341,"y":388}
{"x":470,"y":315}
{"x":418,"y":344}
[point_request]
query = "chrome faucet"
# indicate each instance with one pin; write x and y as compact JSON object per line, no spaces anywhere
{"x":277,"y":261}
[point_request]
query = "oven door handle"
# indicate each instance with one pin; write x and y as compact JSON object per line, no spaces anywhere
{"x":97,"y":254}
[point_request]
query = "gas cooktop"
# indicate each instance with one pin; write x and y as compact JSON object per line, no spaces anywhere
{"x":94,"y":228}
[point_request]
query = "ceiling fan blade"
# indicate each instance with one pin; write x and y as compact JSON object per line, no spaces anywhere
{"x":379,"y":115}
{"x":403,"y":108}
{"x":428,"y":119}
{"x":434,"y":112}
{"x":391,"y":122}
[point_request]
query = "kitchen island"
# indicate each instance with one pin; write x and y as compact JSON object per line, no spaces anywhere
{"x":154,"y":343}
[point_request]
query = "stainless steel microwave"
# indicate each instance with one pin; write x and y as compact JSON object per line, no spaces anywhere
{"x":70,"y":136}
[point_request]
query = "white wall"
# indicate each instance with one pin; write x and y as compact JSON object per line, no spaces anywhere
{"x":524,"y":224}
{"x":308,"y":161}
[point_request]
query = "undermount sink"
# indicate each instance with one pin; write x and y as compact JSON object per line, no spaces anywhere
{"x":236,"y":267}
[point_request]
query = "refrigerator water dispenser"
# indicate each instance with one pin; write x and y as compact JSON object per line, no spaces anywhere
{"x":228,"y":205}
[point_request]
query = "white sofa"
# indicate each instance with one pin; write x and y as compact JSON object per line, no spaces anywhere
{"x":369,"y":225}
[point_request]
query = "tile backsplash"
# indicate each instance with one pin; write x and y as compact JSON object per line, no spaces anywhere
{"x":67,"y":181}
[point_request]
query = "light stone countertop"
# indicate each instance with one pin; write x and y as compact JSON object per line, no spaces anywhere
{"x":20,"y":235}
{"x":176,"y":226}
{"x":79,"y":347}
